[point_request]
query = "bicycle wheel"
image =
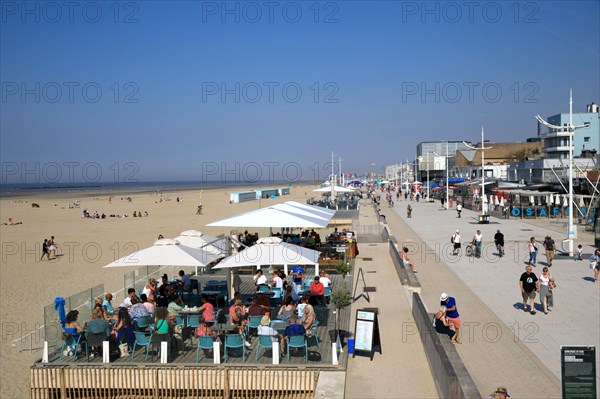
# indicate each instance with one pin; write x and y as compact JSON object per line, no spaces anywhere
{"x":469,"y":250}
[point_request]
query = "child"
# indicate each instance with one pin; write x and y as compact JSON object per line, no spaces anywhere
{"x":579,"y":253}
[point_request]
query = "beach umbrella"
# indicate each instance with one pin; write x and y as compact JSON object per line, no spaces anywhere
{"x":496,"y":200}
{"x":502,"y":201}
{"x":196,"y":239}
{"x":271,"y":254}
{"x":551,"y":199}
{"x":272,"y":217}
{"x":581,"y":202}
{"x":337,"y":189}
{"x":531,"y":200}
{"x":308,"y":210}
{"x":166,"y":252}
{"x":565,"y":201}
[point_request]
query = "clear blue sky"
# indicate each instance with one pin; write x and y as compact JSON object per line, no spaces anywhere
{"x":370,"y":61}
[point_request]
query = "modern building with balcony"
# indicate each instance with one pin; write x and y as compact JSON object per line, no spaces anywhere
{"x":556,"y":141}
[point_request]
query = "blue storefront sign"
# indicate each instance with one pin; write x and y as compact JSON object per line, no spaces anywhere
{"x":539,"y":211}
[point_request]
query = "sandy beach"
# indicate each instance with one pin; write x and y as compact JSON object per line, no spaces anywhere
{"x":28,"y":284}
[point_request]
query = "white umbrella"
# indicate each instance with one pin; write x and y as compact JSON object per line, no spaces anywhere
{"x":271,"y":254}
{"x":565,"y":201}
{"x":271,"y":217}
{"x":581,"y":202}
{"x":496,"y":200}
{"x":198,"y":240}
{"x":166,"y":252}
{"x":337,"y":189}
{"x":551,"y":199}
{"x":531,"y":200}
{"x":502,"y":201}
{"x":268,"y":240}
{"x":318,"y":210}
{"x":301,"y":211}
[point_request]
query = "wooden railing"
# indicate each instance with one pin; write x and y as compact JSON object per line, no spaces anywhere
{"x":65,"y":382}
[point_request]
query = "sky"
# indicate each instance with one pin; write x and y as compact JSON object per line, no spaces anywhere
{"x":150,"y":90}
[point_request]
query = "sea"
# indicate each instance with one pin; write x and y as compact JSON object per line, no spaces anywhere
{"x":90,"y":188}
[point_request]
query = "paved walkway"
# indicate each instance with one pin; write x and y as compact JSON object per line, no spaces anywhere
{"x":402,"y":370}
{"x":503,"y":345}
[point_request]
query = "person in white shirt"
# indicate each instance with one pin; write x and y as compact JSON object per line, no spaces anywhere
{"x":259,"y":279}
{"x":477,"y":241}
{"x":277,"y":281}
{"x":127,"y":301}
{"x":456,"y":242}
{"x":324,"y":279}
{"x":265,"y":329}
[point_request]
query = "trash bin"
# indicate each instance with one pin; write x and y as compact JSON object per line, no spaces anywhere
{"x":350,"y":346}
{"x":484,"y":219}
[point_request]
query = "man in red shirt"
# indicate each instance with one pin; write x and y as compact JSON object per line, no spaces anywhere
{"x":316,"y":292}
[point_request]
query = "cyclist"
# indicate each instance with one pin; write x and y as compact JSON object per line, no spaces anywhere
{"x":476,"y":240}
{"x":499,"y":240}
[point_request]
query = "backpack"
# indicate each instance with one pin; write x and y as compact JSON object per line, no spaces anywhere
{"x":452,"y":239}
{"x":550,"y":245}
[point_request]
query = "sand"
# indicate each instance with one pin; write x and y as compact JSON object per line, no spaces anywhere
{"x":28,"y":284}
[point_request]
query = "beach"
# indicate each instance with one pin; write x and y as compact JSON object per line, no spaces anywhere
{"x":85,"y":245}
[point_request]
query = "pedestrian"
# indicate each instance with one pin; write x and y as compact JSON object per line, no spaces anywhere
{"x":458,"y":209}
{"x":51,"y":247}
{"x":549,"y":247}
{"x":532,"y":251}
{"x":499,"y":393}
{"x":409,"y":211}
{"x":595,"y":264}
{"x":579,"y":252}
{"x":45,"y":250}
{"x":547,"y":284}
{"x":455,"y":239}
{"x":452,"y":314}
{"x":529,"y":286}
{"x":199,"y":211}
{"x":477,"y":241}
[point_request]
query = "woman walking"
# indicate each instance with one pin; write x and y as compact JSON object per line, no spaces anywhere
{"x":547,"y":283}
{"x":532,"y":251}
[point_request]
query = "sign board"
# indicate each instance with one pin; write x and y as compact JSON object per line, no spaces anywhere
{"x":340,"y":249}
{"x":578,"y":372}
{"x":366,"y":332}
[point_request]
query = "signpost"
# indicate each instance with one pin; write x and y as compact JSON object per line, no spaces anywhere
{"x":366,"y":333}
{"x":578,"y":372}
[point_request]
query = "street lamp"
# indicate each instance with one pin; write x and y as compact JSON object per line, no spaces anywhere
{"x":571,"y":229}
{"x":482,"y":171}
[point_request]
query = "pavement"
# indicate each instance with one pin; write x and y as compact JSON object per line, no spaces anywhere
{"x":402,"y":370}
{"x":502,"y":345}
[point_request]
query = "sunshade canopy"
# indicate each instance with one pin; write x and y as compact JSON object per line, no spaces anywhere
{"x":271,"y":254}
{"x":337,"y":189}
{"x":273,"y":216}
{"x":196,"y":239}
{"x":166,"y":252}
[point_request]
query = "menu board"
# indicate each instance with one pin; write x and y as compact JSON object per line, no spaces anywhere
{"x":578,"y":369}
{"x":366,"y":332}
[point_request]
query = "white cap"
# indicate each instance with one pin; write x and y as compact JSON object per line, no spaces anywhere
{"x":458,"y":231}
{"x":444,"y":297}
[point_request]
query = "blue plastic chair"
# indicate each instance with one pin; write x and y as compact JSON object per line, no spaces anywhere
{"x":193,"y":322}
{"x":278,"y":292}
{"x":205,"y":342}
{"x":327,"y":294}
{"x":253,"y":322}
{"x":297,"y":341}
{"x":234,"y":341}
{"x":73,"y":342}
{"x":143,"y":322}
{"x":276,"y":321}
{"x":142,"y":339}
{"x":263,"y":288}
{"x":180,"y":321}
{"x":264,"y":341}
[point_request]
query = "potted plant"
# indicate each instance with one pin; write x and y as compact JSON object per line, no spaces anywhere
{"x":343,"y":268}
{"x":340,"y":298}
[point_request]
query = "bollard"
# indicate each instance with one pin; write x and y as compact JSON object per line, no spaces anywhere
{"x":350,"y":346}
{"x":45,"y":354}
{"x":275,"y":351}
{"x":334,"y":358}
{"x":164,"y":355}
{"x":105,"y":352}
{"x":216,"y":353}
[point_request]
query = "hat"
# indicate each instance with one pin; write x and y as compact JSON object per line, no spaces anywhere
{"x":502,"y":390}
{"x":265,"y":321}
{"x":444,"y":297}
{"x":458,"y":231}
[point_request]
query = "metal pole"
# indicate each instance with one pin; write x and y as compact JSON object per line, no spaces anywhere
{"x":447,"y":178}
{"x":427,"y":177}
{"x":571,"y":230}
{"x":482,"y":174}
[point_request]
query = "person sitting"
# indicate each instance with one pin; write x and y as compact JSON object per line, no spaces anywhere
{"x":97,"y":330}
{"x":175,"y":305}
{"x":207,"y":309}
{"x":287,"y":309}
{"x":107,"y":305}
{"x":293,"y":329}
{"x":185,"y":282}
{"x":263,"y":301}
{"x":277,"y":281}
{"x":72,"y":326}
{"x":324,"y":279}
{"x":236,"y":297}
{"x":150,"y":289}
{"x":302,"y":305}
{"x":259,"y":279}
{"x":308,"y":317}
{"x":237,"y":318}
{"x":255,"y":309}
{"x":130,"y":295}
{"x":147,"y":304}
{"x":137,"y":310}
{"x":265,"y":329}
{"x":297,"y":274}
{"x":124,"y":328}
{"x":162,"y":300}
{"x":442,"y":326}
{"x":316,"y":292}
{"x":134,"y":214}
{"x":204,"y":331}
{"x":163,"y":281}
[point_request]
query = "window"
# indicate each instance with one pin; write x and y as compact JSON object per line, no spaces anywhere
{"x":586,"y":140}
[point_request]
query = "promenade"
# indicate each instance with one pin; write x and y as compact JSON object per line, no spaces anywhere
{"x":502,"y":345}
{"x":402,"y":370}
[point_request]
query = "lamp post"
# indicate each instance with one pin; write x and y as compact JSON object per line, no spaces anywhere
{"x":571,"y":228}
{"x":482,"y":170}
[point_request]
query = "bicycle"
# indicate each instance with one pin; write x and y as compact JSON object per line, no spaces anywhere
{"x":500,"y":250}
{"x":472,"y":250}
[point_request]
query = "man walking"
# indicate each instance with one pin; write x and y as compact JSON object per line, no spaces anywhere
{"x":458,"y":209}
{"x":451,"y":313}
{"x":529,"y":285}
{"x":549,"y":246}
{"x":456,"y":241}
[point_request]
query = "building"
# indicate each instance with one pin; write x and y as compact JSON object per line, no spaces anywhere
{"x":556,"y":141}
{"x":396,"y":171}
{"x":441,"y":149}
{"x":549,"y":171}
{"x":496,"y":158}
